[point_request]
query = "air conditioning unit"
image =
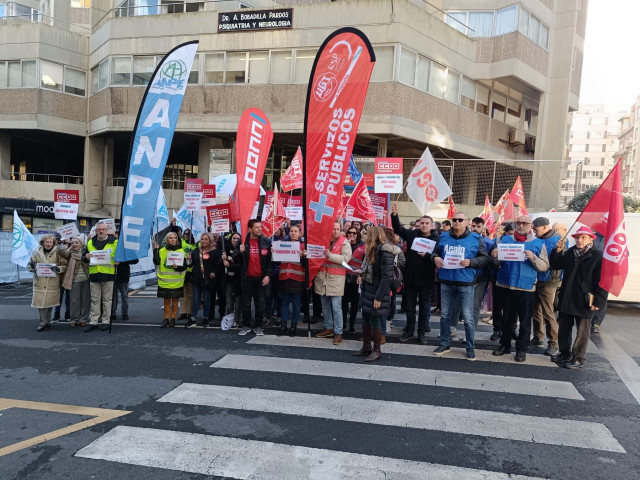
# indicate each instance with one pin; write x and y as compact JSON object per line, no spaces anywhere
{"x":530,"y":144}
{"x":516,"y":136}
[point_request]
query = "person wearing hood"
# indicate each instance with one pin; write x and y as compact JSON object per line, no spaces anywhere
{"x":517,"y":283}
{"x":102,"y":274}
{"x":458,"y":256}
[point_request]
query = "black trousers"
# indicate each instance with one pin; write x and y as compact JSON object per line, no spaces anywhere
{"x":351,"y":296}
{"x":252,"y":289}
{"x":417,"y":295}
{"x":497,"y":307}
{"x":518,"y":309}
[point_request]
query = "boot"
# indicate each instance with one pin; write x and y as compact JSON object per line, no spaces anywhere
{"x":293,"y":330}
{"x":165,"y":323}
{"x":172,"y":323}
{"x":376,"y":335}
{"x":365,"y":351}
{"x":283,"y":329}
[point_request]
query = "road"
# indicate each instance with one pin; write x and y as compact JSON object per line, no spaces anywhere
{"x":144,"y":402}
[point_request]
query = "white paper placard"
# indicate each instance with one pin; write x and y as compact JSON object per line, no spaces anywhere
{"x":452,"y":260}
{"x":286,"y":251}
{"x":111,"y":225}
{"x":65,"y":211}
{"x":100,"y":257}
{"x":220,"y":225}
{"x":294,"y":213}
{"x":193,"y":201}
{"x":315,"y":251}
{"x":423,"y":245}
{"x":45,"y":270}
{"x":175,"y":258}
{"x":69,"y":230}
{"x":511,"y":252}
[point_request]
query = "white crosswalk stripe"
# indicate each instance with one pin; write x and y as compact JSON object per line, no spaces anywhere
{"x":250,"y":459}
{"x":384,"y":373}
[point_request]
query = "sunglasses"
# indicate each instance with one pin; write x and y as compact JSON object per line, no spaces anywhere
{"x":458,"y":219}
{"x":352,"y":233}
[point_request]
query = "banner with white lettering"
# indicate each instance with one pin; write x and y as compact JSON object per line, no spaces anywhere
{"x":153,"y":133}
{"x":335,"y":98}
{"x":388,"y":177}
{"x":65,"y":204}
{"x":218,"y":216}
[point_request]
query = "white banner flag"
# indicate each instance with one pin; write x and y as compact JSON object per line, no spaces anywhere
{"x":162,"y":214}
{"x":24,"y":244}
{"x":426,"y":186}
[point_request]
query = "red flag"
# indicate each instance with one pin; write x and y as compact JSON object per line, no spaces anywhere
{"x":361,"y":202}
{"x":335,"y":97}
{"x":615,"y":256}
{"x":276,"y":216}
{"x":502,"y":203}
{"x":292,"y":178}
{"x":452,"y":208}
{"x":597,"y":211}
{"x":487,"y":215}
{"x":253,"y":143}
{"x":517,"y":196}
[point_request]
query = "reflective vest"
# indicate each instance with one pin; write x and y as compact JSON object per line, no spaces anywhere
{"x":168,"y":277}
{"x":187,"y":247}
{"x":108,"y":269}
{"x":333,"y":268}
{"x":291,"y":270}
{"x":357,"y":257}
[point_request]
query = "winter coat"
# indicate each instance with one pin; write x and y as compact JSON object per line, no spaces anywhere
{"x":233,"y":271}
{"x":328,"y":284}
{"x":419,"y":270}
{"x":123,"y":271}
{"x":376,"y":281}
{"x":210,"y":265}
{"x":46,"y":290}
{"x":581,"y":277}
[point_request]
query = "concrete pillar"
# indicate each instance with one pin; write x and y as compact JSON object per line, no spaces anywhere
{"x":5,"y":156}
{"x":382,"y":148}
{"x":94,"y":180}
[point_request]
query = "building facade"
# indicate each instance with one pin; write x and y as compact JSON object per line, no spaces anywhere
{"x":629,"y":150}
{"x":486,"y":84}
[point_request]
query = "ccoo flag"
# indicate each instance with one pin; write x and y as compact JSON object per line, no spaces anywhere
{"x":426,"y":186}
{"x":23,"y":243}
{"x":335,"y":97}
{"x":292,"y":178}
{"x":152,"y":138}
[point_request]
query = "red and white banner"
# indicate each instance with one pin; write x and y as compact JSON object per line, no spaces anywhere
{"x":487,"y":215}
{"x":452,"y":208}
{"x":276,"y":216}
{"x":292,"y":178}
{"x":596,"y":214}
{"x":253,"y":143}
{"x":65,"y":204}
{"x":380,"y":203}
{"x":388,"y":178}
{"x":268,"y":199}
{"x":335,"y":98}
{"x":218,"y":217}
{"x":361,"y":202}
{"x":208,"y":196}
{"x":370,"y":178}
{"x":193,"y":185}
{"x":426,"y":186}
{"x":517,"y":196}
{"x":294,"y":208}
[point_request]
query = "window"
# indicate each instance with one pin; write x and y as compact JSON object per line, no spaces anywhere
{"x":513,"y":113}
{"x":29,"y":74}
{"x":143,"y":68}
{"x":531,"y":121}
{"x":75,"y":81}
{"x":544,"y":36}
{"x":457,"y":20}
{"x":422,"y":74}
{"x":100,"y":76}
{"x":214,"y":68}
{"x":534,"y":29}
{"x":407,"y":72}
{"x":80,"y":3}
{"x":15,"y":74}
{"x":437,"y":80}
{"x":482,"y":99}
{"x":480,"y":24}
{"x":3,"y":10}
{"x":194,"y":74}
{"x":452,"y":86}
{"x":51,"y":76}
{"x":578,"y":147}
{"x":3,"y":74}
{"x":235,"y":67}
{"x":280,"y":68}
{"x":304,"y":63}
{"x":498,"y":107}
{"x":506,"y":20}
{"x":121,"y":71}
{"x":258,"y":67}
{"x":383,"y":69}
{"x":467,"y":93}
{"x":523,"y":22}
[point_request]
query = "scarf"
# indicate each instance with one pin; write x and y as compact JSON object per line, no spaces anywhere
{"x":580,"y":253}
{"x":67,"y":281}
{"x":520,"y":238}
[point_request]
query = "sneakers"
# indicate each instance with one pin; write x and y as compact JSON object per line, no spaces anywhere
{"x":551,"y":350}
{"x":258,"y":331}
{"x":453,"y":332}
{"x":521,"y":356}
{"x":441,"y":350}
{"x":573,"y":364}
{"x":190,"y":323}
{"x":471,"y":355}
{"x":594,"y":329}
{"x":405,"y":336}
{"x":422,"y":339}
{"x":244,"y":330}
{"x":496,"y":336}
{"x":535,"y":342}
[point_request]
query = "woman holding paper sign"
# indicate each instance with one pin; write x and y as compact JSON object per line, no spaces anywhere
{"x":291,"y":285}
{"x":45,"y":264}
{"x":171,"y":273}
{"x":76,"y":281}
{"x":205,"y":260}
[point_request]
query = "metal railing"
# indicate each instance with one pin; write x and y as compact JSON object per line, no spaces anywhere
{"x":37,"y":17}
{"x":45,"y":177}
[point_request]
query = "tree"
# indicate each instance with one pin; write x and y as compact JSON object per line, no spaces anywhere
{"x":577,"y":204}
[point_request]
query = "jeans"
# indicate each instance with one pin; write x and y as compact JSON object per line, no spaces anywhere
{"x":252,"y":289}
{"x":332,"y":313}
{"x":198,"y":293}
{"x":420,"y":293}
{"x":234,"y":301}
{"x":462,"y":297}
{"x":517,"y":307}
{"x":123,"y":289}
{"x":292,"y":299}
{"x":479,"y":290}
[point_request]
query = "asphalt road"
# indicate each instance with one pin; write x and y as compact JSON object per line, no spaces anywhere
{"x":194,"y":403}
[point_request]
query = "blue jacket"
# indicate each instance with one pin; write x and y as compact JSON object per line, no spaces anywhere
{"x":523,"y":275}
{"x":474,"y":250}
{"x":550,"y":239}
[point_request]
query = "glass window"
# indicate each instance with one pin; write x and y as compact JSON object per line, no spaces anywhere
{"x":75,"y":81}
{"x":280,"y":68}
{"x":506,"y":20}
{"x":3,"y":74}
{"x":194,"y":74}
{"x":437,"y":80}
{"x":513,"y":112}
{"x":383,"y":69}
{"x":544,"y":36}
{"x":578,"y":147}
{"x":2,"y":10}
{"x":104,"y":75}
{"x":235,"y":67}
{"x":121,"y":71}
{"x":498,"y":106}
{"x":422,"y":74}
{"x":468,"y":93}
{"x":531,"y":121}
{"x":523,"y":22}
{"x":480,"y":24}
{"x":258,"y":67}
{"x":94,"y":80}
{"x":457,"y":20}
{"x":29,"y":76}
{"x":453,"y":86}
{"x":214,"y":68}
{"x":143,"y":68}
{"x":51,"y":76}
{"x":534,"y":29}
{"x":407,"y":73}
{"x":304,"y":64}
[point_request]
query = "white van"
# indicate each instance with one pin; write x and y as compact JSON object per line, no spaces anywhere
{"x":631,"y":290}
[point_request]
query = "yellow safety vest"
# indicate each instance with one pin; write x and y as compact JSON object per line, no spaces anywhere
{"x":168,"y":277}
{"x":108,"y":269}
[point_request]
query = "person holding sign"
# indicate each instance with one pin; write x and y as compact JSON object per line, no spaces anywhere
{"x":172,"y":265}
{"x":419,"y":274}
{"x":45,"y":264}
{"x":204,"y":279}
{"x":517,"y":284}
{"x":291,"y":285}
{"x":459,"y":256}
{"x":76,"y":281}
{"x":351,"y":287}
{"x":100,"y":255}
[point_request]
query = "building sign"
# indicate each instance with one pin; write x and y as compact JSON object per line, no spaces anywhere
{"x":255,"y":20}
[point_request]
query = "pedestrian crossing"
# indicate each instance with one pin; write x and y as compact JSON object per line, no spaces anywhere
{"x":282,"y":395}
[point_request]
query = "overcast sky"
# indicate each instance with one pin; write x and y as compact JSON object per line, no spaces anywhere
{"x":611,"y":73}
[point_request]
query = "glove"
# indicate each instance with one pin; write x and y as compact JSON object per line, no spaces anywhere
{"x":55,"y":269}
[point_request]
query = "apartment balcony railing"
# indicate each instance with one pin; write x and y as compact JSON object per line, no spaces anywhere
{"x":46,"y":177}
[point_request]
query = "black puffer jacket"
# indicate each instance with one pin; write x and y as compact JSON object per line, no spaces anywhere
{"x":204,"y":267}
{"x":419,"y":270}
{"x":376,"y":281}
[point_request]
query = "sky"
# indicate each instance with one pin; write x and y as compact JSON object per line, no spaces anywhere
{"x":611,"y":68}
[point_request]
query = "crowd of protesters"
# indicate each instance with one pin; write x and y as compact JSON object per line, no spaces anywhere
{"x":453,"y":266}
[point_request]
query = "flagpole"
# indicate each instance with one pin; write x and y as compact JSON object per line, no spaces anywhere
{"x":305,"y":233}
{"x":398,"y":195}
